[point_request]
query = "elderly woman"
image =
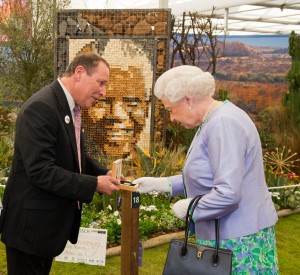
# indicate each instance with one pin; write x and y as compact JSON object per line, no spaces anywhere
{"x":224,"y":164}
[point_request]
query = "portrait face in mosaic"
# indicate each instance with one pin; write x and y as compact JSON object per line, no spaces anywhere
{"x":121,"y":120}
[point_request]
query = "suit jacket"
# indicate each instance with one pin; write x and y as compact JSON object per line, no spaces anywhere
{"x":40,"y":203}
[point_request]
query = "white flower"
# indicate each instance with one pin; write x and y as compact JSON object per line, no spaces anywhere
{"x":151,"y":208}
{"x":154,"y":193}
{"x":276,"y":195}
{"x":119,"y":222}
{"x":116,"y":213}
{"x":109,"y":207}
{"x":148,"y":208}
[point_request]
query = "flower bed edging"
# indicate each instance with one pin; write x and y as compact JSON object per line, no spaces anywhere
{"x":286,"y":212}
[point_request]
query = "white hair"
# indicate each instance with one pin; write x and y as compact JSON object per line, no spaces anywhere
{"x":182,"y":81}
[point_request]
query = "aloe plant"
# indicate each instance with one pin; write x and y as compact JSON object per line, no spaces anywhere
{"x":159,"y":161}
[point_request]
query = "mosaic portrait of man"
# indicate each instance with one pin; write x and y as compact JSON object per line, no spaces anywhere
{"x":122,"y":120}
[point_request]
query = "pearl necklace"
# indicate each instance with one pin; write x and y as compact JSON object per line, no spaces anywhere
{"x":212,"y":104}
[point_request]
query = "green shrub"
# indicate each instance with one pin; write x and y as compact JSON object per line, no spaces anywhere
{"x":7,"y":126}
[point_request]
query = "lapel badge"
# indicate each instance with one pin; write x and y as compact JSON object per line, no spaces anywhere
{"x":67,"y":119}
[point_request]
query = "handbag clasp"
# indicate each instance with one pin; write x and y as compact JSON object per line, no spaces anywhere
{"x":199,"y":255}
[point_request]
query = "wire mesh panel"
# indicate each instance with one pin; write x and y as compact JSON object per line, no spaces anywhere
{"x":135,"y":43}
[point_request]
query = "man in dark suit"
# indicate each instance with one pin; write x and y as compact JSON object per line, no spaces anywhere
{"x":50,"y":179}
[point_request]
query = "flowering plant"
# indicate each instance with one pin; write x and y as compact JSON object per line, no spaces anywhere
{"x":284,"y":189}
{"x":288,"y":198}
{"x":281,"y":180}
{"x":281,"y":160}
{"x":155,"y":216}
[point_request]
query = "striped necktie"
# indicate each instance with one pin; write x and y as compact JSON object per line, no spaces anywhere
{"x":77,"y":125}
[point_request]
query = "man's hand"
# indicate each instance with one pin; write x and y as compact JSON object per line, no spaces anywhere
{"x":107,"y":185}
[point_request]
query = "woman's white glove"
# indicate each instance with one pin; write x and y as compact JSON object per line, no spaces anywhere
{"x":180,"y":208}
{"x":149,"y":184}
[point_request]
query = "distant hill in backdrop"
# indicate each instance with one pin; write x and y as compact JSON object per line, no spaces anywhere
{"x":253,"y":71}
{"x":239,"y":49}
{"x":278,"y":40}
{"x":254,"y":76}
{"x":241,"y":60}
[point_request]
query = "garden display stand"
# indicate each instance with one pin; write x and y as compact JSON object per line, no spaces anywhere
{"x":130,"y":225}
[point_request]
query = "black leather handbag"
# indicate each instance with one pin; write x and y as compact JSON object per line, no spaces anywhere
{"x":190,"y":258}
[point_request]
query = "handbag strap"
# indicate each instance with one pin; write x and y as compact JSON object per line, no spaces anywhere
{"x":215,"y":259}
{"x":188,"y":220}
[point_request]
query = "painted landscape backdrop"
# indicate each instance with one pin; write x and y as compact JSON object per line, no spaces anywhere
{"x":253,"y":70}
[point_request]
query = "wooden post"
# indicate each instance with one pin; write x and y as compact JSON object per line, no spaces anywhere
{"x":130,"y":223}
{"x":130,"y":232}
